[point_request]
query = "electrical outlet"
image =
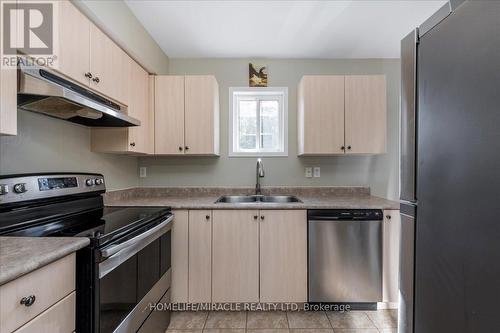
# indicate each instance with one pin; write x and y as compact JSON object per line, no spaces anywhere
{"x":309,"y":172}
{"x":317,"y":172}
{"x":143,"y":172}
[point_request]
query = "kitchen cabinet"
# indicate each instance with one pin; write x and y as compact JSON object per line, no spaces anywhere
{"x":51,"y":303}
{"x":8,"y":101}
{"x":74,"y":43}
{"x":321,"y":114}
{"x":283,"y":256}
{"x":342,"y":114}
{"x":8,"y":94}
{"x":390,"y":275}
{"x":169,"y":113}
{"x":180,"y":258}
{"x":201,"y":96}
{"x":200,"y":256}
{"x":137,"y":139}
{"x":189,"y":107}
{"x":365,"y":114}
{"x":89,"y":56}
{"x":235,"y":256}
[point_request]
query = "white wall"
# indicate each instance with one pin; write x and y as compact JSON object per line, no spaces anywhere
{"x":379,"y":172}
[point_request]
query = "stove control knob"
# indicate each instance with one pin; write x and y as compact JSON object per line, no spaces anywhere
{"x":20,"y":188}
{"x":4,"y":189}
{"x":89,"y":182}
{"x":98,"y":181}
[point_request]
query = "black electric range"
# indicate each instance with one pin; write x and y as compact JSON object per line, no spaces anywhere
{"x":129,"y":246}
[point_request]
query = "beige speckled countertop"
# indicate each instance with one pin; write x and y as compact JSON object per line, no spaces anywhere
{"x":21,"y":255}
{"x":204,"y":198}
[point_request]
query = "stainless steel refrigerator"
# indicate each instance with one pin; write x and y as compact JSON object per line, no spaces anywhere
{"x":450,"y":172}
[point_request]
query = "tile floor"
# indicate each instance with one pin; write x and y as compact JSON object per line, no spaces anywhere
{"x":381,"y":321}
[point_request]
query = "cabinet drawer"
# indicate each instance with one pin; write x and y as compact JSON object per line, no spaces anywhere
{"x":59,"y":318}
{"x":49,"y":284}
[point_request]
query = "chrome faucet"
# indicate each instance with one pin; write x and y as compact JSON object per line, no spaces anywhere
{"x":259,"y":175}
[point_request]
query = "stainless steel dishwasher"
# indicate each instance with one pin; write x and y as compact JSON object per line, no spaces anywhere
{"x":345,"y":256}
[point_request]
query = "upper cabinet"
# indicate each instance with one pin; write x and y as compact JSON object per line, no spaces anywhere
{"x":8,"y":95}
{"x":136,"y":139}
{"x":342,"y":114}
{"x":321,"y":114}
{"x":189,"y":107}
{"x":8,"y":101}
{"x":365,"y":114}
{"x":90,"y":57}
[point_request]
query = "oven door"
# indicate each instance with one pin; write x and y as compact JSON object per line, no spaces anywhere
{"x":135,"y":272}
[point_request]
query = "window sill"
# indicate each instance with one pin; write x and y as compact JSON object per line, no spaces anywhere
{"x":261,"y":154}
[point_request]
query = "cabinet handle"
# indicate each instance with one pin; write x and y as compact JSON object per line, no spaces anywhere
{"x":388,"y":217}
{"x":342,"y":148}
{"x":262,"y":217}
{"x":348,"y":147}
{"x":207,"y":217}
{"x":96,"y":79}
{"x":187,"y":147}
{"x":28,"y":301}
{"x":132,"y":144}
{"x":88,"y":75}
{"x":180,"y":148}
{"x":255,"y":217}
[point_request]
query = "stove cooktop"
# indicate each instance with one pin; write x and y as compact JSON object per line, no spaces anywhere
{"x":100,"y":225}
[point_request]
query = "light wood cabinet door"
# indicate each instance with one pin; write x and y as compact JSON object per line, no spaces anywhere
{"x":283,"y":256}
{"x":365,"y":114}
{"x":169,"y":115}
{"x":59,"y":318}
{"x":48,"y":284}
{"x":137,"y":139}
{"x":201,"y":123}
{"x":8,"y":101}
{"x":321,"y":115}
{"x":109,"y":66}
{"x":139,"y":136}
{"x":391,"y":236}
{"x":74,"y":43}
{"x":200,"y":256}
{"x":235,"y":262}
{"x":180,"y":258}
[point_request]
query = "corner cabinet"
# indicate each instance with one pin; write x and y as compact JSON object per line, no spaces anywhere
{"x":136,"y":139}
{"x":340,"y":114}
{"x":188,"y":106}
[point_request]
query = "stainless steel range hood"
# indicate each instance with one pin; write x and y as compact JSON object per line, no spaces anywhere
{"x":42,"y":90}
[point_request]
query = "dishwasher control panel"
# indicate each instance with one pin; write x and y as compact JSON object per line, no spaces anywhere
{"x":345,"y":214}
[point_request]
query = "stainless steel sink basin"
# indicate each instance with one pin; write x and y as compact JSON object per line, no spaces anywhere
{"x":237,"y":199}
{"x":258,"y":199}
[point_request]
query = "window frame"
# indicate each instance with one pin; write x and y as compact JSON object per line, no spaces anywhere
{"x":282,"y":94}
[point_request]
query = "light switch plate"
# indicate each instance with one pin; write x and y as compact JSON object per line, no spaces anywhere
{"x":143,"y":172}
{"x":309,"y":172}
{"x":317,"y":172}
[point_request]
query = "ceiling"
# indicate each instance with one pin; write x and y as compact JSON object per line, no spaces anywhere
{"x":281,"y":29}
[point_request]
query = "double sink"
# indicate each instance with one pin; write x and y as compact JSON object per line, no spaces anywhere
{"x":243,"y":199}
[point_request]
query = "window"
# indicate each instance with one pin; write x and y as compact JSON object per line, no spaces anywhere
{"x":258,"y":122}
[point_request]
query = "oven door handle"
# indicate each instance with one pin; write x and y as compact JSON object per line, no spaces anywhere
{"x":142,"y":239}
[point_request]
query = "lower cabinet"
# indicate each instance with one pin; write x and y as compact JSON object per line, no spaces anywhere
{"x":48,"y":299}
{"x":200,"y":256}
{"x":235,"y":262}
{"x":390,"y":275}
{"x":283,"y":256}
{"x":180,"y":257}
{"x":239,"y":256}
